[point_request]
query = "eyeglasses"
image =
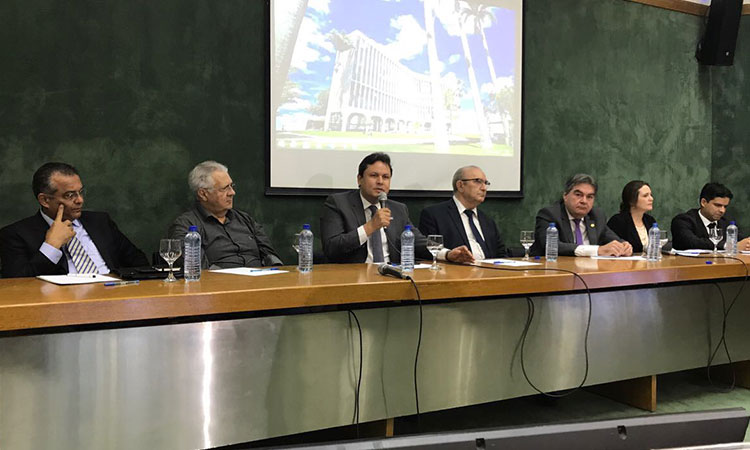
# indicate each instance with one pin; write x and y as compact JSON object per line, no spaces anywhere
{"x":477,"y":181}
{"x":72,"y":195}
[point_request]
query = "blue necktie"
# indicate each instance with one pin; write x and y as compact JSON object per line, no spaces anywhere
{"x":475,"y":232}
{"x":579,"y":235}
{"x":81,"y":259}
{"x":375,"y":241}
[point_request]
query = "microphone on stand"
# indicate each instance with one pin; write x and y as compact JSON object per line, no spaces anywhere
{"x":387,"y":269}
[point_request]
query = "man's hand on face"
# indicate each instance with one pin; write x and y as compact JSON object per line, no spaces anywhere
{"x":60,"y":232}
{"x":381,"y":218}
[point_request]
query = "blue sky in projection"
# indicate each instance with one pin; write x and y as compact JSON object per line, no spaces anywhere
{"x":399,"y":25}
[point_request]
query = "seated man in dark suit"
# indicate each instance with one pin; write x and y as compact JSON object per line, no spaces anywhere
{"x":459,"y":221}
{"x":582,"y":228}
{"x":229,"y":237}
{"x":356,"y":229}
{"x":690,"y":229}
{"x":62,"y":238}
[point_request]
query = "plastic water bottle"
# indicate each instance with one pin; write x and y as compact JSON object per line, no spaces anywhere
{"x":652,"y":250}
{"x":552,"y":242}
{"x":407,"y":250}
{"x":730,"y":245}
{"x":192,"y":255}
{"x":305,"y":261}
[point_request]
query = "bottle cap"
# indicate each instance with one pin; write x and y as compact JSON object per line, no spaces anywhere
{"x":407,"y":227}
{"x":193,"y":228}
{"x":306,"y":226}
{"x":655,"y":225}
{"x":732,"y":223}
{"x":552,"y":224}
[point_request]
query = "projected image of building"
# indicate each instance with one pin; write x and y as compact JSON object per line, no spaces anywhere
{"x":373,"y":92}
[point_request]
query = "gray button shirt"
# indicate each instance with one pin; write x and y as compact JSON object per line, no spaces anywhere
{"x":238,"y":242}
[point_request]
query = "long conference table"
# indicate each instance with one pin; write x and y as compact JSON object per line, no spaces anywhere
{"x":235,"y":358}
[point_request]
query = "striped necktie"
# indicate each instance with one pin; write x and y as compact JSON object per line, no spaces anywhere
{"x":80,"y":258}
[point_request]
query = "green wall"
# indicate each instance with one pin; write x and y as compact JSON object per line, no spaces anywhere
{"x":135,"y":93}
{"x":731,"y":112}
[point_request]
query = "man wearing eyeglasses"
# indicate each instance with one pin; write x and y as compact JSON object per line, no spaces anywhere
{"x":583,"y":229}
{"x":62,"y":238}
{"x":229,"y":237}
{"x":465,"y":229}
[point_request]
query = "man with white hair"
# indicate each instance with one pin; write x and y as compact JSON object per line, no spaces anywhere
{"x":229,"y":238}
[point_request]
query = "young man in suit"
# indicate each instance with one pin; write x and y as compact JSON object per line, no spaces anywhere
{"x":463,"y":227}
{"x":690,"y":229}
{"x":355,"y":228}
{"x":62,"y":238}
{"x":582,"y":228}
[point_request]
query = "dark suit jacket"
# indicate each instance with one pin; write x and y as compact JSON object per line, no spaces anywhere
{"x":596,"y":227}
{"x":688,"y":231}
{"x":343,"y":214}
{"x":20,"y":242}
{"x":444,"y":219}
{"x":622,"y":224}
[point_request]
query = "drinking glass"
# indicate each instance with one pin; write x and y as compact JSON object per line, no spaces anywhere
{"x":295,"y":242}
{"x":170,"y":250}
{"x":663,"y":239}
{"x":715,"y":234}
{"x":527,"y":240}
{"x":434,"y":245}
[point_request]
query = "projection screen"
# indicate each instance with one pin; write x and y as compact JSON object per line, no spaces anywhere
{"x":434,"y":83}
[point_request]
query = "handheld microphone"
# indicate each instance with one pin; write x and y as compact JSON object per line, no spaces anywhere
{"x":387,"y":269}
{"x":382,"y":198}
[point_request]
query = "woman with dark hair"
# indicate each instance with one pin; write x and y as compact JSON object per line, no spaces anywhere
{"x":632,"y":223}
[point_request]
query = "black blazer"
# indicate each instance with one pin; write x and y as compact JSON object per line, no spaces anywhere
{"x":20,"y":242}
{"x":596,"y":227}
{"x":622,"y":224}
{"x":343,"y":214}
{"x":444,"y":219}
{"x":688,"y":231}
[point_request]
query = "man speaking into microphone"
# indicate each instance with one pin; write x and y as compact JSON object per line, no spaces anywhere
{"x":363,"y":225}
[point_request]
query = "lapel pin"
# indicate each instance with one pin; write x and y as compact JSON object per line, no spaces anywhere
{"x":593,"y":225}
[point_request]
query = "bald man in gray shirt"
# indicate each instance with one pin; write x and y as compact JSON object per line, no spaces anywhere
{"x":229,"y":238}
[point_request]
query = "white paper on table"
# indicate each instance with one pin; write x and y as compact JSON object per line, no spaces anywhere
{"x":422,"y":266}
{"x":745,"y":252}
{"x":76,"y":279}
{"x":621,"y":258}
{"x":251,"y":272}
{"x":693,"y":252}
{"x":509,"y":262}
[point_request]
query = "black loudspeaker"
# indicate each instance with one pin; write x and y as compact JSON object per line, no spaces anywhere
{"x":717,"y":46}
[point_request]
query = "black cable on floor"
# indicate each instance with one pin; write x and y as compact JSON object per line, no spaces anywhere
{"x":530,"y":317}
{"x":419,"y":345}
{"x":355,"y":418}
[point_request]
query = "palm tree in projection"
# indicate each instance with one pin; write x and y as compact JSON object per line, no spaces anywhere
{"x":479,"y":15}
{"x":438,"y":107}
{"x":288,"y":17}
{"x":484,"y":131}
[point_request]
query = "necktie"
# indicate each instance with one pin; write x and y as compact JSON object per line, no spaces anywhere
{"x":475,"y":232}
{"x":81,"y":260}
{"x":376,"y":243}
{"x":579,"y":235}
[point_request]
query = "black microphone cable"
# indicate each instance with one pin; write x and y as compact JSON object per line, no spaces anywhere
{"x":529,"y":318}
{"x":355,"y":417}
{"x":419,"y":345}
{"x":725,"y":313}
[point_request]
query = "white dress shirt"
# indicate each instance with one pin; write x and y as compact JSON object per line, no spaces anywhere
{"x":363,"y":235}
{"x":706,"y":222}
{"x":54,"y":254}
{"x":476,"y":249}
{"x":586,"y":249}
